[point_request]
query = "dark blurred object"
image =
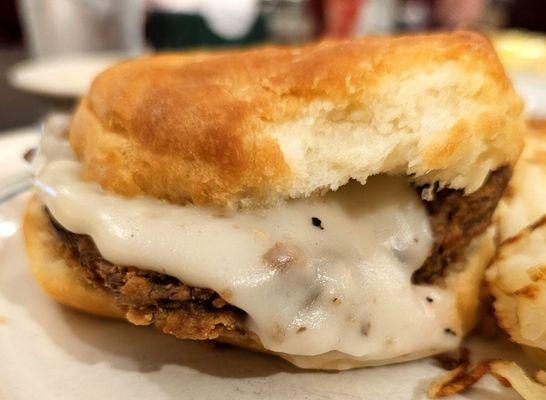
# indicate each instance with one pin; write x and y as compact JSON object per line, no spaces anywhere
{"x":527,"y":14}
{"x":18,"y":108}
{"x":178,"y":31}
{"x":10,"y":29}
{"x":318,"y":17}
{"x":175,"y":25}
{"x":489,"y":14}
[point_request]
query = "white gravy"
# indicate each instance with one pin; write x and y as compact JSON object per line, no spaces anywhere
{"x":342,"y":284}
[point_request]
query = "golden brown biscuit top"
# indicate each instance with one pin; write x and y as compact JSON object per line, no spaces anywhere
{"x":261,"y":125}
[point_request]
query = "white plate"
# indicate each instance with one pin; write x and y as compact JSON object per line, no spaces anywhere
{"x":48,"y":351}
{"x":65,"y":77}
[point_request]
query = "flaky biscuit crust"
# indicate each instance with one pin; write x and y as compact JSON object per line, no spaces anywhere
{"x":255,"y":127}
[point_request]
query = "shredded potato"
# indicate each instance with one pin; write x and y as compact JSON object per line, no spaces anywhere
{"x":540,"y":377}
{"x":524,"y":201}
{"x":508,"y":373}
{"x":517,"y":277}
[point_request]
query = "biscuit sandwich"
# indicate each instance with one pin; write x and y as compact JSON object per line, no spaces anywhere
{"x":330,"y":203}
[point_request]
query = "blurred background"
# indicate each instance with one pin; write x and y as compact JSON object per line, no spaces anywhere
{"x":51,"y":49}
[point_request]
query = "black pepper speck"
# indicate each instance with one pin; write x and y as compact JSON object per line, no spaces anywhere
{"x":449,"y":331}
{"x":317,"y":222}
{"x":430,"y":299}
